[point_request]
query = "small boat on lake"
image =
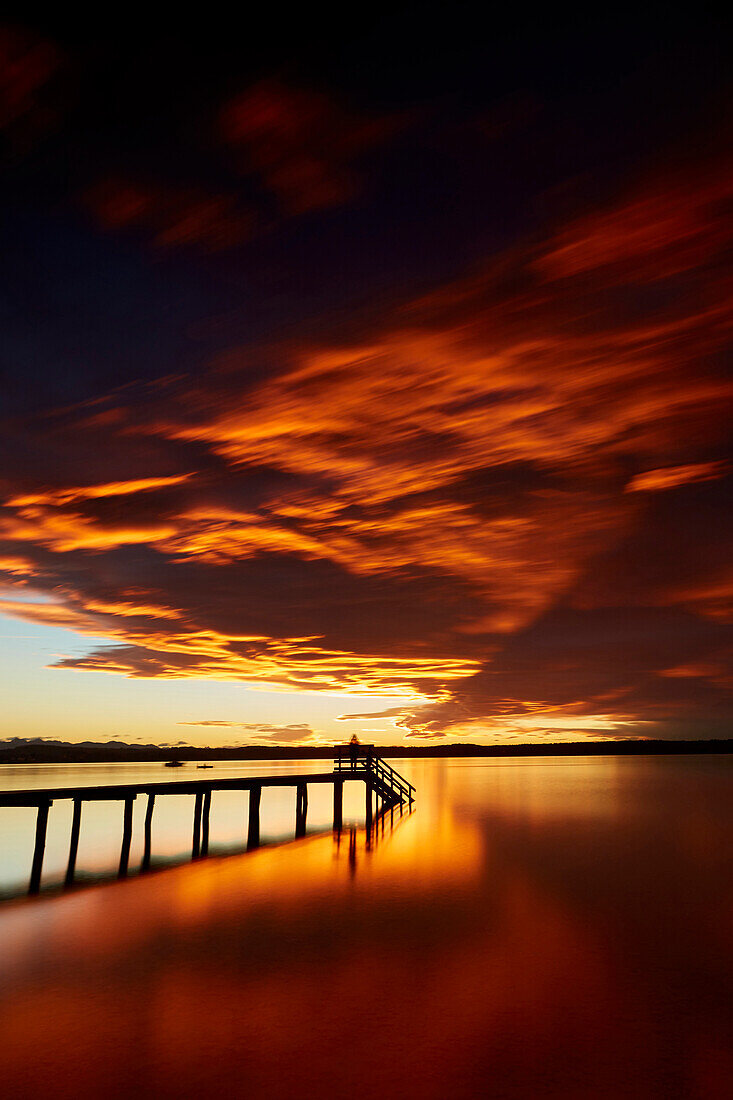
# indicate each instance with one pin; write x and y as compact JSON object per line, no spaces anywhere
{"x":204,"y":765}
{"x":173,"y":764}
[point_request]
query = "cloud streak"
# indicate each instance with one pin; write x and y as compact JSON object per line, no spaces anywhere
{"x":290,"y":733}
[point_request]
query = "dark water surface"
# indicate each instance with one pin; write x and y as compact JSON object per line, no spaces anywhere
{"x":536,"y":928}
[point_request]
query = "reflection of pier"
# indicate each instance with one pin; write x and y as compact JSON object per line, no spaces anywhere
{"x":385,"y":788}
{"x":383,"y":828}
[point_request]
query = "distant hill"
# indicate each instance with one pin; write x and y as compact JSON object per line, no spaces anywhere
{"x":38,"y":750}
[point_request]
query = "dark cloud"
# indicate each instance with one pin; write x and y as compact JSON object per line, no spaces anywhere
{"x":172,"y":216}
{"x":29,"y":64}
{"x":301,"y":144}
{"x":655,"y":671}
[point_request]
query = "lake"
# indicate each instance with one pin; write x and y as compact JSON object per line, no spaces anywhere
{"x":535,"y":928}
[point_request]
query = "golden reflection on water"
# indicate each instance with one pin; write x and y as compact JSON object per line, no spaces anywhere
{"x":542,"y":930}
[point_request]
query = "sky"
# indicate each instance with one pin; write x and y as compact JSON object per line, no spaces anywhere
{"x":366,"y":377}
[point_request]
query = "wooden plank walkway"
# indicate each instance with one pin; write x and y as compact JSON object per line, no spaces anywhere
{"x":120,"y":791}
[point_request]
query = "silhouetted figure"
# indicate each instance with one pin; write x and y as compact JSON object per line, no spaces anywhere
{"x":354,"y":751}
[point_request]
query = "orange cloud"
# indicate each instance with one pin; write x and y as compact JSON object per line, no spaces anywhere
{"x":672,"y":476}
{"x":663,"y":231}
{"x":65,"y":531}
{"x":272,"y":663}
{"x":155,"y":649}
{"x":711,"y":596}
{"x":132,"y":610}
{"x":51,"y":614}
{"x":16,"y":566}
{"x":94,"y":492}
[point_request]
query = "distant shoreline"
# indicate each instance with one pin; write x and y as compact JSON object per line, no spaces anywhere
{"x":43,"y":752}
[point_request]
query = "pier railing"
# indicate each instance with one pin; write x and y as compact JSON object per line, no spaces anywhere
{"x":385,"y":778}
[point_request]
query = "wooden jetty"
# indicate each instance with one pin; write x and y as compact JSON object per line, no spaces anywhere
{"x":385,"y":789}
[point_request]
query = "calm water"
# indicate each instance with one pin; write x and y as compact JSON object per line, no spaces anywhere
{"x":546,"y":928}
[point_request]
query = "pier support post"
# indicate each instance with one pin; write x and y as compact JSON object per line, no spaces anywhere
{"x":148,"y":832}
{"x":301,"y":809}
{"x":197,"y":806}
{"x":73,"y":843}
{"x":338,"y":804}
{"x":126,"y":837}
{"x":368,"y":806}
{"x":253,"y":834}
{"x":205,"y":824}
{"x":40,"y":847}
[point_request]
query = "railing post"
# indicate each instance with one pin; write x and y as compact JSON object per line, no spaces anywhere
{"x":73,"y":842}
{"x":40,"y":847}
{"x":253,"y":833}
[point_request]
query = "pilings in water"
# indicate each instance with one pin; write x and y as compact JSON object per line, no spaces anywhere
{"x":253,"y":831}
{"x":205,"y":824}
{"x":39,"y":847}
{"x":145,"y":865}
{"x":338,"y":803}
{"x":197,"y":809}
{"x":126,"y":836}
{"x":301,"y":809}
{"x":73,"y":842}
{"x":368,"y":806}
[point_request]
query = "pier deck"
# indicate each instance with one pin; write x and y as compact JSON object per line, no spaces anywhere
{"x":120,"y":791}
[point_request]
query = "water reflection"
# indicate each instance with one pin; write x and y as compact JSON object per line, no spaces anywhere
{"x":558,"y":930}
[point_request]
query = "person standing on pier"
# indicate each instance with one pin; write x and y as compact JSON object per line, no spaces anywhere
{"x":353,"y":751}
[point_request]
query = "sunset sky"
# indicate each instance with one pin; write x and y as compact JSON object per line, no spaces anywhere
{"x":375,"y":383}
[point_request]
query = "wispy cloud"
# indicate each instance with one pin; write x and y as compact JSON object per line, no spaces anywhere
{"x":672,"y":476}
{"x":263,"y":731}
{"x":170,"y":215}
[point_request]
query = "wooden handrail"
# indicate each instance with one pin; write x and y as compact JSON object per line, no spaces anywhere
{"x":381,"y":763}
{"x":350,"y":757}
